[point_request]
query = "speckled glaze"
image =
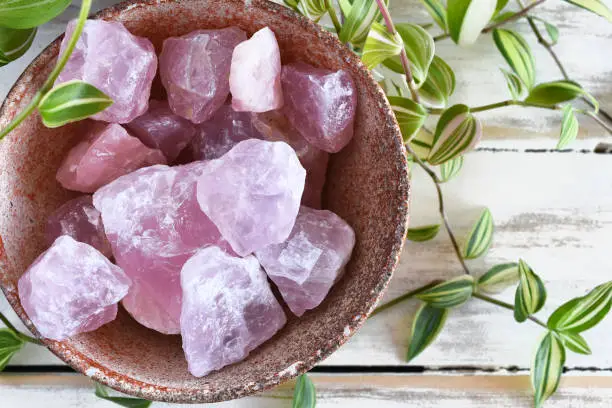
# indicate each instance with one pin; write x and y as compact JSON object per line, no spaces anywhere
{"x":367,"y":186}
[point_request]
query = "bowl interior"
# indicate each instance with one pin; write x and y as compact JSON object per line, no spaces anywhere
{"x":367,"y":186}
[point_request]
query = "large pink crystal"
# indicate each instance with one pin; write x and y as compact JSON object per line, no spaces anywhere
{"x":162,"y":129}
{"x":312,"y":259}
{"x":118,"y":63}
{"x":195,"y":71}
{"x":255,"y":74}
{"x":71,"y":288}
{"x":274,"y":126}
{"x":228,"y":309}
{"x":107,"y":152}
{"x":253,"y":193}
{"x":154,"y":224}
{"x":223,"y":131}
{"x":321,"y":104}
{"x":79,"y":219}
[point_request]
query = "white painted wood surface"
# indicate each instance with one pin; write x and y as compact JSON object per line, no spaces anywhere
{"x":552,"y":209}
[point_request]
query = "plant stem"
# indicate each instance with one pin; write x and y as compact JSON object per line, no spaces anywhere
{"x":502,"y":104}
{"x":601,"y":122}
{"x":61,"y":63}
{"x":384,"y":11}
{"x":332,"y":14}
{"x":22,"y":336}
{"x":402,"y":298}
{"x":506,"y":306}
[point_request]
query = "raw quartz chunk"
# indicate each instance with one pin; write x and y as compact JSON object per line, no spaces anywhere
{"x":154,"y":224}
{"x":107,"y":152}
{"x":71,"y":288}
{"x":274,"y":126}
{"x":253,"y":193}
{"x":228,"y":309}
{"x":223,"y":131}
{"x":305,"y":267}
{"x":195,"y":71}
{"x":118,"y":63}
{"x":161,"y":129}
{"x":79,"y":219}
{"x":255,"y":74}
{"x":321,"y":104}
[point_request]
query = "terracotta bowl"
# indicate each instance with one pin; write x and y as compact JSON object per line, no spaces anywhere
{"x":367,"y":186}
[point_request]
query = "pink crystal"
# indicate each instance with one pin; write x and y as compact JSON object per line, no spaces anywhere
{"x":195,"y":71}
{"x":71,"y":288}
{"x":306,"y":266}
{"x":161,"y":129}
{"x":223,"y":131}
{"x":321,"y":104}
{"x":107,"y":152}
{"x":253,"y":193}
{"x":79,"y":219}
{"x":154,"y":224}
{"x":274,"y":126}
{"x":118,"y":63}
{"x":255,"y":74}
{"x":228,"y":309}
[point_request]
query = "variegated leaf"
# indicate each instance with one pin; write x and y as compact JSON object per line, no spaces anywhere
{"x":552,"y":93}
{"x":481,"y":236}
{"x":437,"y":11}
{"x":409,"y":114}
{"x":421,"y":143}
{"x":595,"y":6}
{"x":420,"y":49}
{"x":575,"y":342}
{"x":499,"y":278}
{"x":547,"y":367}
{"x":9,"y":345}
{"x":356,"y":27}
{"x":500,"y":6}
{"x":380,"y":45}
{"x":292,"y":4}
{"x":127,"y":402}
{"x":313,"y":9}
{"x":448,"y":294}
{"x":515,"y":85}
{"x":551,"y":30}
{"x":450,"y":169}
{"x":569,"y":127}
{"x":14,"y":43}
{"x":517,"y":54}
{"x":439,"y":85}
{"x":457,"y":132}
{"x":24,"y":14}
{"x":304,"y":395}
{"x":425,"y":233}
{"x":427,"y":324}
{"x":467,"y":18}
{"x":530,"y":294}
{"x":582,"y":313}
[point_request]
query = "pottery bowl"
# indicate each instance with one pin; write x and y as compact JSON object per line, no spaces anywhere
{"x":367,"y":185}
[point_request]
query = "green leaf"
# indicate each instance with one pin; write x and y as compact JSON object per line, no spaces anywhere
{"x":480,"y":238}
{"x":517,"y":54}
{"x":452,"y":293}
{"x":552,"y":93}
{"x":457,"y":132}
{"x":409,"y":114}
{"x":70,"y":102}
{"x":9,"y":345}
{"x":499,"y":278}
{"x":304,"y":395}
{"x":530,"y":294}
{"x":356,"y":27}
{"x":420,"y":49}
{"x":427,"y":324}
{"x":121,"y":401}
{"x":439,"y":85}
{"x":551,"y":30}
{"x":380,"y":45}
{"x":30,"y":13}
{"x":547,"y":368}
{"x":498,"y":18}
{"x":292,"y":4}
{"x":421,"y":143}
{"x":345,"y":6}
{"x":467,"y":18}
{"x":575,"y":342}
{"x":569,"y":127}
{"x":14,"y":43}
{"x":437,"y":11}
{"x":500,"y":6}
{"x":313,"y":9}
{"x":596,"y":6}
{"x":425,"y":233}
{"x":582,"y":313}
{"x":515,"y":85}
{"x":450,"y":169}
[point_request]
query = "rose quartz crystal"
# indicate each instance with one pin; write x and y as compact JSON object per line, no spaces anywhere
{"x":228,"y":309}
{"x":253,"y":193}
{"x":107,"y":152}
{"x":79,"y":219}
{"x":154,"y":224}
{"x":312,"y":259}
{"x":255,"y":74}
{"x":321,"y":104}
{"x":71,"y":288}
{"x":223,"y":131}
{"x":161,"y":129}
{"x":274,"y":126}
{"x":118,"y":63}
{"x":195,"y":71}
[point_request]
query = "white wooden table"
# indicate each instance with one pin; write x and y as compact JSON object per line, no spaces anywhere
{"x":554,"y":209}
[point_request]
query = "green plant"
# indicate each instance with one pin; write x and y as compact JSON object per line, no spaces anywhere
{"x":418,"y":84}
